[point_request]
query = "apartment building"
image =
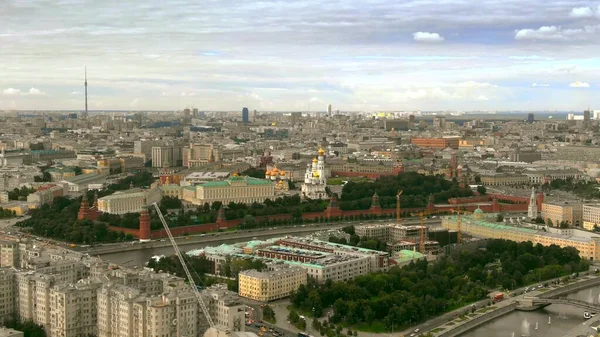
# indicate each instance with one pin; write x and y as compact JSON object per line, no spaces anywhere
{"x":391,"y":232}
{"x":73,"y":309}
{"x":591,"y":216}
{"x":265,"y":286}
{"x":9,"y":254}
{"x":570,"y":212}
{"x":8,"y":295}
{"x":196,"y":154}
{"x":226,"y":308}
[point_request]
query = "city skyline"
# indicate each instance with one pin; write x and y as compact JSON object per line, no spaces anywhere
{"x":380,"y":55}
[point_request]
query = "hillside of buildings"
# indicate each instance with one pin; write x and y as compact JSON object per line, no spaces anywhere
{"x":429,"y":289}
{"x":416,"y":191}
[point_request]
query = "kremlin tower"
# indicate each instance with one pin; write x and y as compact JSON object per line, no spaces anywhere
{"x":144,"y":232}
{"x":85,"y":211}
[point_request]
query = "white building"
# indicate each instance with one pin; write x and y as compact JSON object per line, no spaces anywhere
{"x":532,"y":211}
{"x":315,"y":179}
{"x":129,"y":201}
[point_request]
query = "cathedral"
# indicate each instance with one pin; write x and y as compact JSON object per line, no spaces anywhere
{"x":315,"y":179}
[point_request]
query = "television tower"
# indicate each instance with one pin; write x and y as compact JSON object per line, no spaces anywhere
{"x":85,"y":115}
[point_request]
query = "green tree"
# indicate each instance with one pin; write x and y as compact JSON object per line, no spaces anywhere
{"x":481,"y":189}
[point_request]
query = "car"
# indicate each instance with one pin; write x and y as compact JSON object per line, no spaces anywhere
{"x":417,"y":330}
{"x":413,"y":334}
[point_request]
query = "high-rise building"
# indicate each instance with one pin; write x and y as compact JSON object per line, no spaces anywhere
{"x":411,"y":120}
{"x":586,"y":115}
{"x":439,"y":123}
{"x":245,"y":115}
{"x":329,"y":110}
{"x":85,"y":114}
{"x":530,"y":118}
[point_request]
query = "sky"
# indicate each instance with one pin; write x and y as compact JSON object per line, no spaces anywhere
{"x":288,"y":55}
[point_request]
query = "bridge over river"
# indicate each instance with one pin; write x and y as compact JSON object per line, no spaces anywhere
{"x":526,"y":302}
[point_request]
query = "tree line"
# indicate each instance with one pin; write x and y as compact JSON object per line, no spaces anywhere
{"x":421,"y":290}
{"x":417,"y":189}
{"x":58,"y":220}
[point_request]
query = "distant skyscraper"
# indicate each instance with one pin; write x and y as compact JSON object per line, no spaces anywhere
{"x":530,"y":118}
{"x":329,"y":110}
{"x":245,"y":116}
{"x":85,"y":114}
{"x":411,"y":120}
{"x":586,"y":115}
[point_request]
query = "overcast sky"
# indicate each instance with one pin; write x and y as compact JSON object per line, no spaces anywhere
{"x":291,"y":55}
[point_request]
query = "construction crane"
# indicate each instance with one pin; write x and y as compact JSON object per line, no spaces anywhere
{"x":185,"y":268}
{"x":398,"y":207}
{"x":421,"y":215}
{"x":459,"y":214}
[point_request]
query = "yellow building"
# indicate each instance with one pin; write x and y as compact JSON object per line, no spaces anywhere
{"x":557,"y":212}
{"x":475,"y":225}
{"x":270,"y":285}
{"x":504,"y":179}
{"x":591,"y":216}
{"x":234,"y":189}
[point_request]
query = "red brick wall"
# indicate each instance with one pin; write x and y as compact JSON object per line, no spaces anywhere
{"x":177,"y":231}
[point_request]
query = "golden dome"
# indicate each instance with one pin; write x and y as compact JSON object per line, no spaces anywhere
{"x":275,"y":170}
{"x":316,"y":174}
{"x":268,"y":173}
{"x":282,"y":173}
{"x":315,"y":160}
{"x":321,"y":152}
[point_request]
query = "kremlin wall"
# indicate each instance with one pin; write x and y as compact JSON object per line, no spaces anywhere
{"x":489,"y":203}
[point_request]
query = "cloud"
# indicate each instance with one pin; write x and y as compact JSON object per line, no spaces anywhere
{"x":18,"y":92}
{"x":427,"y":37}
{"x":581,"y":13}
{"x":557,"y":33}
{"x":578,"y":84}
{"x":540,"y":85}
{"x":75,"y":93}
{"x":11,"y":92}
{"x":482,"y":98}
{"x":531,"y":57}
{"x":36,"y":92}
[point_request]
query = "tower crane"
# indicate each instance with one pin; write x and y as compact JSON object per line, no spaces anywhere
{"x":398,"y":206}
{"x":459,"y":214}
{"x":185,"y":268}
{"x":422,"y":216}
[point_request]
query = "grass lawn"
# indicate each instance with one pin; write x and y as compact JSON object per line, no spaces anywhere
{"x":486,"y":309}
{"x":376,"y":327}
{"x":436,"y":330}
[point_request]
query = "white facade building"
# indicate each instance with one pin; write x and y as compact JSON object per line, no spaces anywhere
{"x":315,"y":179}
{"x":532,"y":211}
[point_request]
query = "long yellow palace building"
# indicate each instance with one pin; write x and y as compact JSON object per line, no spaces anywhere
{"x":476,"y":225}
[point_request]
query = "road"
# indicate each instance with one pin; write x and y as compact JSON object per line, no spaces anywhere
{"x":238,"y":236}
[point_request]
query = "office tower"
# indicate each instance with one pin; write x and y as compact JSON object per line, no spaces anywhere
{"x":195,"y":113}
{"x":411,"y":120}
{"x":439,"y":122}
{"x":329,"y":110}
{"x":187,"y":114}
{"x":530,"y":118}
{"x":254,"y":116}
{"x":245,"y":116}
{"x":85,"y":114}
{"x":586,"y":115}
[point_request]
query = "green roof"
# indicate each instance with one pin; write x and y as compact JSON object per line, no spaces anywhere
{"x":249,"y":180}
{"x":497,"y":225}
{"x":407,"y":255}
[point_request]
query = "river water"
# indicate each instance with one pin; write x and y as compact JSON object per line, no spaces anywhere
{"x":141,"y":256}
{"x":563,"y":319}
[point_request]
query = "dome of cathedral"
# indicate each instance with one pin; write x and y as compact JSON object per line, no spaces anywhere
{"x":316,"y":174}
{"x":315,"y":160}
{"x":321,"y":152}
